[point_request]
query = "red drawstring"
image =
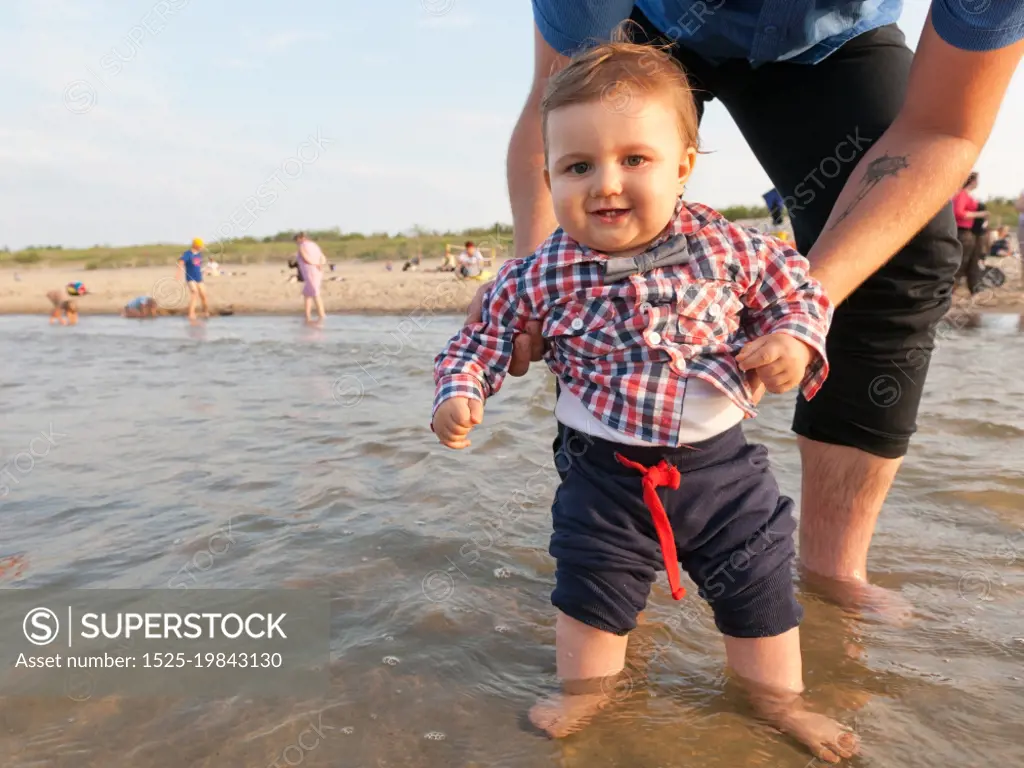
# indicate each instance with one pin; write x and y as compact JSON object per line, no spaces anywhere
{"x":660,"y":474}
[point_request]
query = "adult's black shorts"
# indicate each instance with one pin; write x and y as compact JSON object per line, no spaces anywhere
{"x":809,"y":126}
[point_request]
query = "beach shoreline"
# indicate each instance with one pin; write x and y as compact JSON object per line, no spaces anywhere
{"x":354,"y":288}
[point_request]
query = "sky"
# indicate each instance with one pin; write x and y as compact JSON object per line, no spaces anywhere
{"x":145,"y":121}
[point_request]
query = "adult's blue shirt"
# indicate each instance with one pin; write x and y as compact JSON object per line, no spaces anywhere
{"x":762,"y":31}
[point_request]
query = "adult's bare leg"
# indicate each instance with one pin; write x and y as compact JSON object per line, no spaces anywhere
{"x":843,"y":490}
{"x":856,"y":429}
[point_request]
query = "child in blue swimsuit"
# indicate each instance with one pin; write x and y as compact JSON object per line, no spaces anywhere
{"x":191,"y":263}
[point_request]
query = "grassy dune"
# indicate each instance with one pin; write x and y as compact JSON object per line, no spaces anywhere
{"x":336,"y":245}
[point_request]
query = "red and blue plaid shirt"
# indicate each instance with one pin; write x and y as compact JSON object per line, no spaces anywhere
{"x":626,"y":348}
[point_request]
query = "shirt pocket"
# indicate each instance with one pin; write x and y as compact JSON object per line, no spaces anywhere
{"x":707,"y":313}
{"x":587,"y":328}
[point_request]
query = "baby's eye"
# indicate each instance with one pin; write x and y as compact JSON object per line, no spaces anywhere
{"x":635,"y":160}
{"x":579,"y":168}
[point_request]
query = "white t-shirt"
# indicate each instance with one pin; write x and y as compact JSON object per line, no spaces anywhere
{"x":472,"y":263}
{"x":707,"y":411}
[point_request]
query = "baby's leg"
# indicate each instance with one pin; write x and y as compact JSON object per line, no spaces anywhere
{"x":588,"y":662}
{"x":605,"y":550}
{"x":743,"y":563}
{"x":770,"y":669}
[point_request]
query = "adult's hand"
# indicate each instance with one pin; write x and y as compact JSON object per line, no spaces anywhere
{"x":526,"y":347}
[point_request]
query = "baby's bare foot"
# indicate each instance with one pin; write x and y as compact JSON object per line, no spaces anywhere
{"x":827,"y":739}
{"x":564,"y":714}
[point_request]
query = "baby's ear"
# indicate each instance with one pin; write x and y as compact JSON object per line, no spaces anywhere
{"x":686,"y":163}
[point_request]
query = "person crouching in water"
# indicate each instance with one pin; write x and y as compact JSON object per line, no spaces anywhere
{"x":140,"y":306}
{"x":68,"y":306}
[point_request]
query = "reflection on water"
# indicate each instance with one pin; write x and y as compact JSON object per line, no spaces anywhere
{"x":313,"y":445}
{"x":997,"y":321}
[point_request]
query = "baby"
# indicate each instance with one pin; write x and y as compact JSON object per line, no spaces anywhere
{"x":656,"y":366}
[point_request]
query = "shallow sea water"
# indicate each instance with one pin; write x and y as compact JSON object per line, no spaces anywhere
{"x":313,"y":446}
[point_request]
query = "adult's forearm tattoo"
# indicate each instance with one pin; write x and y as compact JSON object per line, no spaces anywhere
{"x":878,"y":169}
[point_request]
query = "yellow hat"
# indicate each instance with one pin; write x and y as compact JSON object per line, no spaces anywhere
{"x":197,"y":243}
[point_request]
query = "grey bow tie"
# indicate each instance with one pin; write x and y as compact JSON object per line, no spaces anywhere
{"x":673,"y":251}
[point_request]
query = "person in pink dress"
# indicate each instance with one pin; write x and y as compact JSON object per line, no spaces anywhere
{"x":311,"y":262}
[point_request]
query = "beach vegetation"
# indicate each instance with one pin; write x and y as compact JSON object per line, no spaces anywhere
{"x":339,"y":246}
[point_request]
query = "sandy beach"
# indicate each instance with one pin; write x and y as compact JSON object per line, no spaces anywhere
{"x":354,"y":287}
{"x":249,"y":289}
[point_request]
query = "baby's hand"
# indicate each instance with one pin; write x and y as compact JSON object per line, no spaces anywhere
{"x":454,"y":418}
{"x":780,"y":360}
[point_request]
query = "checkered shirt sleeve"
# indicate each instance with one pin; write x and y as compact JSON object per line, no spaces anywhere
{"x":784,"y":298}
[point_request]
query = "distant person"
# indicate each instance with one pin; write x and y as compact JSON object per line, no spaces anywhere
{"x":64,"y":310}
{"x":311,"y":261}
{"x":470,"y":261}
{"x":1019,"y":205}
{"x":140,"y":306}
{"x":967,"y":211}
{"x":191,"y":263}
{"x":1001,"y":246}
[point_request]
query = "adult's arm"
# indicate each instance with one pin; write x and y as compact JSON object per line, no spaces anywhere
{"x":953,"y":97}
{"x":1019,"y":205}
{"x":533,"y":217}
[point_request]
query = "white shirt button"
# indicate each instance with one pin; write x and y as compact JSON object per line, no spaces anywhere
{"x":645,"y":307}
{"x":577,"y":324}
{"x":654,"y":337}
{"x":714,"y":310}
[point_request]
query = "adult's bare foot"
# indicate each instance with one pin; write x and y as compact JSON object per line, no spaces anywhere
{"x":861,"y":598}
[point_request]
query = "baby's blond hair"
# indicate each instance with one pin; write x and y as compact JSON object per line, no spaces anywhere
{"x":615,"y":73}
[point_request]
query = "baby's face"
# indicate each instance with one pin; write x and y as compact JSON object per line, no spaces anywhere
{"x":615,"y":176}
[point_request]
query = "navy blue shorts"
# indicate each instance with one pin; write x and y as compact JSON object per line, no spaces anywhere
{"x":733,"y":534}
